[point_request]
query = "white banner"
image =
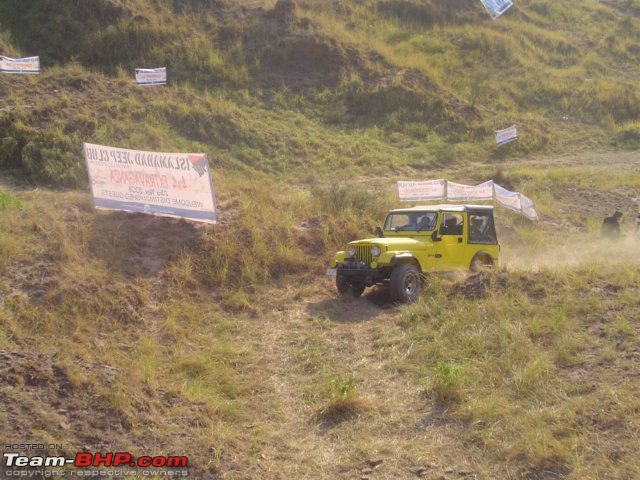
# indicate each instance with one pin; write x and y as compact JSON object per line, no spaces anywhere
{"x":496,"y":7}
{"x":507,"y":135}
{"x":418,"y":191}
{"x":456,"y":192}
{"x":509,"y":199}
{"x":151,"y":76}
{"x":20,"y":65}
{"x":527,"y":208}
{"x":166,"y":184}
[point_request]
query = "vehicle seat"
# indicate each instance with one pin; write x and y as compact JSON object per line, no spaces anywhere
{"x":451,"y":227}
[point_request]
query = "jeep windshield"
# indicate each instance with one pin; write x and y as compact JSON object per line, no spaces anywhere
{"x":410,"y":221}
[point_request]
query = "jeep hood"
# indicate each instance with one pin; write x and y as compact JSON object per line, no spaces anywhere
{"x":396,"y":243}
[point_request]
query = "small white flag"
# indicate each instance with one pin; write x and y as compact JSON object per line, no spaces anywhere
{"x":496,"y":7}
{"x":20,"y":65}
{"x":507,"y":135}
{"x":151,"y":76}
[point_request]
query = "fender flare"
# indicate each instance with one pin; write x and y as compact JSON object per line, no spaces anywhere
{"x":479,"y":254}
{"x":405,"y":257}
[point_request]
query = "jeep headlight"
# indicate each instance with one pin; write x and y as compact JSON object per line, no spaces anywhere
{"x":375,"y":251}
{"x":351,"y":251}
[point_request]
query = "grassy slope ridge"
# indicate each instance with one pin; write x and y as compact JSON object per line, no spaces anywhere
{"x":412,"y":84}
{"x":155,"y":336}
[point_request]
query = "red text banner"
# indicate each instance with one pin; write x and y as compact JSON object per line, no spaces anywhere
{"x":166,"y":184}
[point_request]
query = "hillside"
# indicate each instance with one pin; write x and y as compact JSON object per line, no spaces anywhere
{"x":319,"y":87}
{"x":226,"y":343}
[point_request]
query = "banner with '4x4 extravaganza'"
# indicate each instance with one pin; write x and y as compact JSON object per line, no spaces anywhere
{"x":167,"y":184}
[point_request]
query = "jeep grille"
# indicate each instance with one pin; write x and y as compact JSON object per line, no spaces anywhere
{"x":363,"y":253}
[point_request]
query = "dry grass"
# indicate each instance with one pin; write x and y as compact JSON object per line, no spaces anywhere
{"x":514,"y":363}
{"x":520,"y":372}
{"x":228,"y":345}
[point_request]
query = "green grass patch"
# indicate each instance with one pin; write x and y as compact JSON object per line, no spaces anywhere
{"x":9,"y":201}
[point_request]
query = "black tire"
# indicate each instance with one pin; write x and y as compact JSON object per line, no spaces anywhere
{"x":348,"y":289}
{"x":481,"y":263}
{"x":357,"y":290}
{"x":405,"y":283}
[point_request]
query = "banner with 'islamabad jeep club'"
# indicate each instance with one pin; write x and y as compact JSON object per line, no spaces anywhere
{"x":166,"y":184}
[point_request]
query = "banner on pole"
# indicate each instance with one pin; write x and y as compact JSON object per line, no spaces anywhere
{"x":496,"y":7}
{"x":27,"y":65}
{"x":507,"y":135}
{"x":166,"y":184}
{"x":419,"y":191}
{"x":151,"y":76}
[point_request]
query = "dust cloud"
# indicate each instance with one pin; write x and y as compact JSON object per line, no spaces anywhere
{"x":580,"y":250}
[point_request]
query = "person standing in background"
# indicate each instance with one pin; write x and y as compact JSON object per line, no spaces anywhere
{"x":611,"y":225}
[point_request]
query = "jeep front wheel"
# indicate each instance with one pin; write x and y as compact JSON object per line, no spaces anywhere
{"x":348,"y":289}
{"x":405,"y":283}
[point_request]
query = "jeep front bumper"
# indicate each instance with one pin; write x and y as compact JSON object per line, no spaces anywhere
{"x":359,"y":272}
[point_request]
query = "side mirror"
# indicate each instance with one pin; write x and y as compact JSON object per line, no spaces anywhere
{"x":435,"y":237}
{"x":378,"y":232}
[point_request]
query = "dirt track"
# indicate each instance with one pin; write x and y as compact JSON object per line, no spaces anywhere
{"x":305,"y":345}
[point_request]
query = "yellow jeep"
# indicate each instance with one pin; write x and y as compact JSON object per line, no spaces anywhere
{"x":415,"y":241}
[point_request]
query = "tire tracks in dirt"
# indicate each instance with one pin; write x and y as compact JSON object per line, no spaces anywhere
{"x":303,"y":345}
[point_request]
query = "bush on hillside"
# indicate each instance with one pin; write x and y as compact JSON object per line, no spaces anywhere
{"x":45,"y":162}
{"x":45,"y":27}
{"x":9,"y":152}
{"x":425,"y":13}
{"x":628,"y":136}
{"x":395,"y":105}
{"x":43,"y":157}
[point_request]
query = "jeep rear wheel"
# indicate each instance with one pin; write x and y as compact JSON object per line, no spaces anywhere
{"x":405,"y":283}
{"x":347,"y":288}
{"x":481,"y":263}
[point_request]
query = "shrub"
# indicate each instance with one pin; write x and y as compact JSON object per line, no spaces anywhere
{"x":628,"y":136}
{"x":9,"y":201}
{"x":51,"y":164}
{"x":344,"y":401}
{"x":446,"y":382}
{"x":424,"y":13}
{"x":9,"y":152}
